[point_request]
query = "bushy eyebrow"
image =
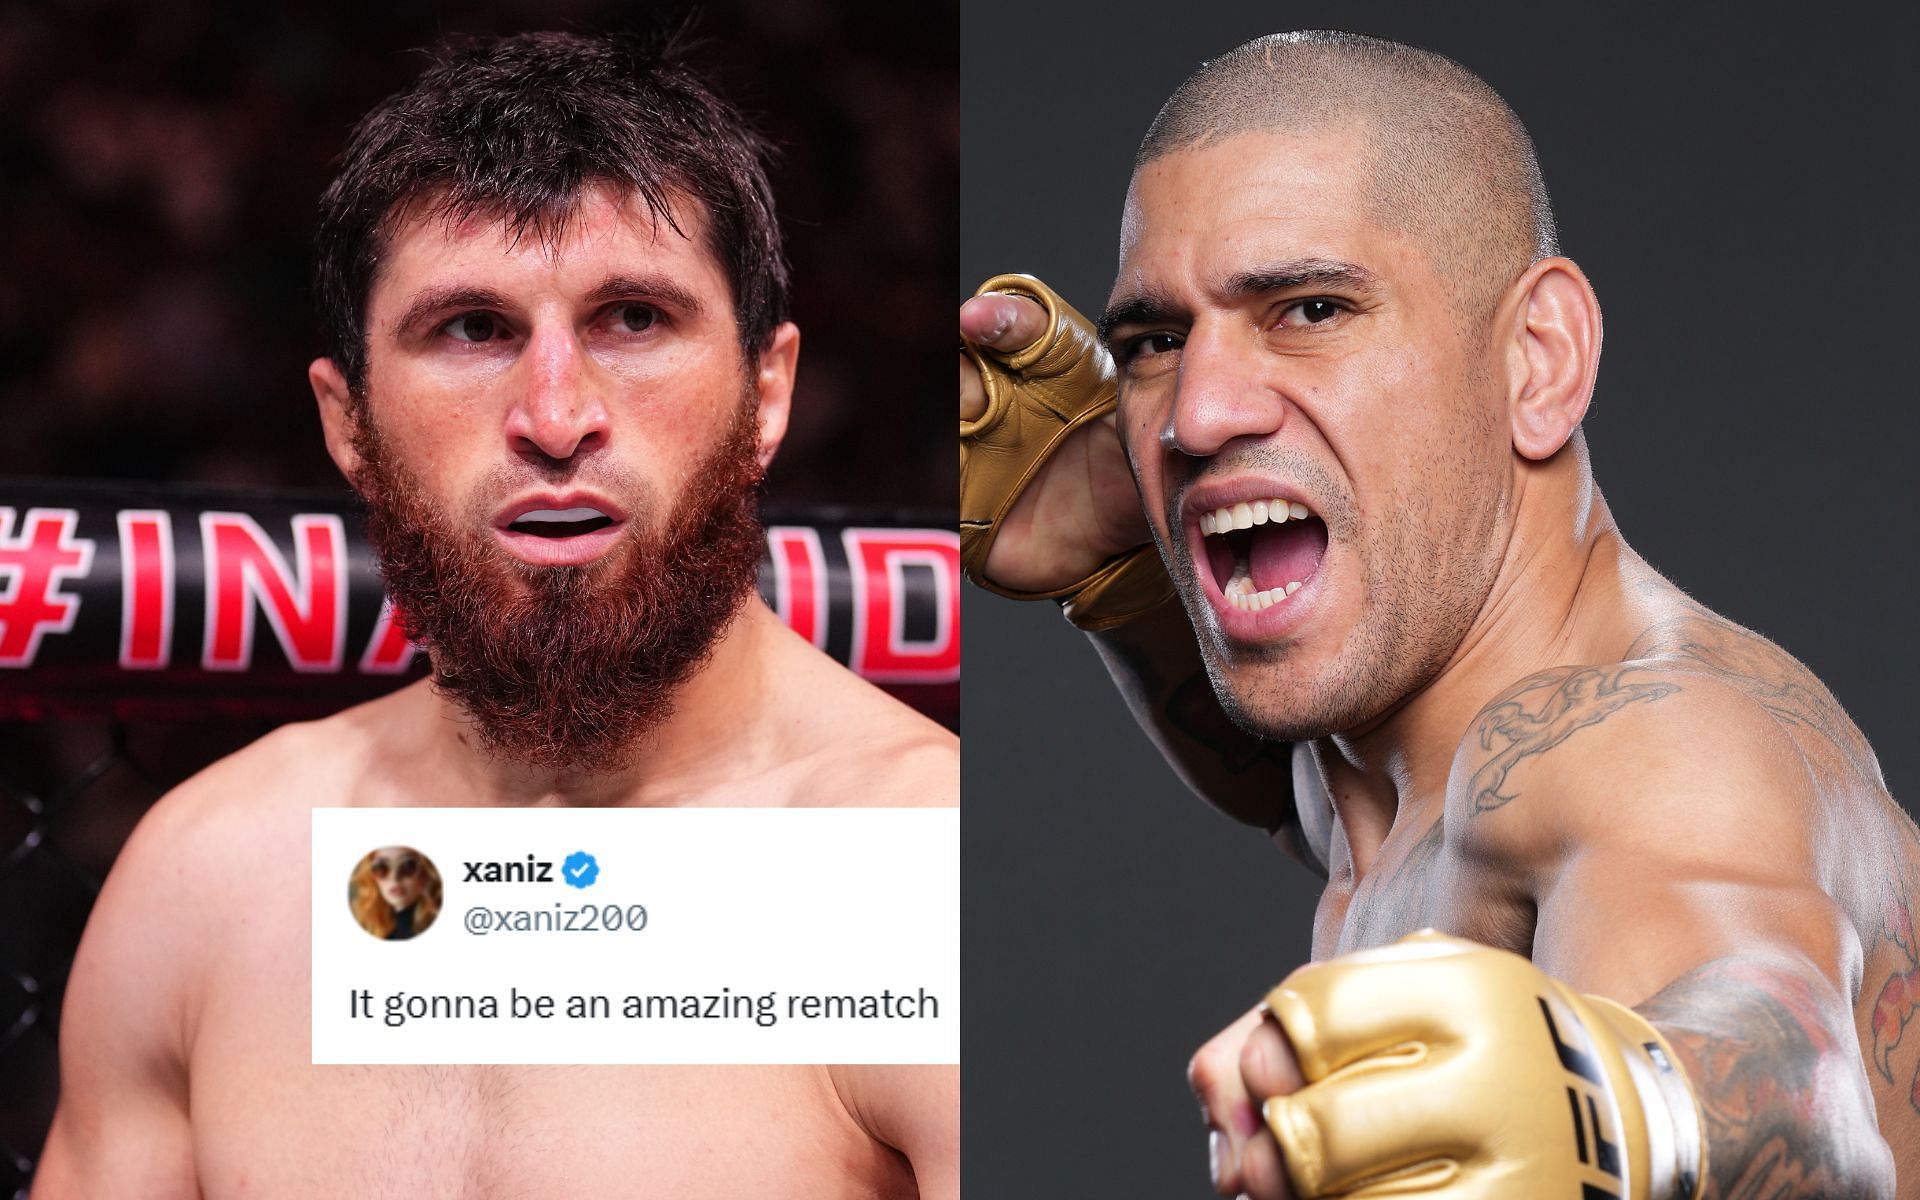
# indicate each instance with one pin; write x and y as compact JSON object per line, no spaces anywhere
{"x":660,"y":288}
{"x":439,"y":299}
{"x":1153,"y":308}
{"x":1144,"y":309}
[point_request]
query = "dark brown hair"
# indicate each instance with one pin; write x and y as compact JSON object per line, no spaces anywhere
{"x":515,"y":127}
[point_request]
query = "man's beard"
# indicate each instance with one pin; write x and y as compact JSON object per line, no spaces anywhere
{"x":568,"y":668}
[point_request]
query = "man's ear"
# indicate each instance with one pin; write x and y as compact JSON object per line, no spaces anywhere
{"x":773,"y":384}
{"x":1554,"y":356}
{"x":337,"y":414}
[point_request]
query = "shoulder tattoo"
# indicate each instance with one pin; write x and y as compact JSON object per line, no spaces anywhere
{"x":1544,"y":710}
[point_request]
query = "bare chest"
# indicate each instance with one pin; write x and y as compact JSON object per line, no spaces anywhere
{"x":486,"y":1132}
{"x":1416,"y":879}
{"x":266,"y":1122}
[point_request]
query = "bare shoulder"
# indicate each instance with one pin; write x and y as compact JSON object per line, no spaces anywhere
{"x":156,"y":916}
{"x":295,"y":768}
{"x":914,"y":1109}
{"x":253,"y":802}
{"x":232,"y":802}
{"x":1650,"y":748}
{"x":196,"y":858}
{"x":863,"y":747}
{"x":153,"y":944}
{"x":898,"y":757}
{"x":887,"y":754}
{"x":1696,"y":641}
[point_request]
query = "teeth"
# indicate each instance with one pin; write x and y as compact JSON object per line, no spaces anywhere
{"x":1240,"y":590}
{"x":1247,"y":515}
{"x":560,"y":514}
{"x":1241,"y":594}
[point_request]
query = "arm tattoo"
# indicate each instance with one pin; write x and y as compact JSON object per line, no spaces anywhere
{"x":1781,"y":1121}
{"x":1541,"y":711}
{"x":1899,"y":997}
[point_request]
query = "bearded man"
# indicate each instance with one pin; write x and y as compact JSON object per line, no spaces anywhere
{"x":559,"y":366}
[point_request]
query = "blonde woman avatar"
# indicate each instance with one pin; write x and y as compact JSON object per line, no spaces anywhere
{"x":395,"y":893}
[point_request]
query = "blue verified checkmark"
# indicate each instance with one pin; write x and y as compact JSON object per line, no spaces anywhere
{"x":580,"y":869}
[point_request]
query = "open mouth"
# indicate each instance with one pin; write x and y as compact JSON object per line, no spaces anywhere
{"x":560,"y":522}
{"x":564,"y":530}
{"x":1263,"y":551}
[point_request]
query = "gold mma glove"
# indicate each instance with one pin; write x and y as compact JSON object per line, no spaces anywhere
{"x":1440,"y":1067}
{"x":1036,"y":398}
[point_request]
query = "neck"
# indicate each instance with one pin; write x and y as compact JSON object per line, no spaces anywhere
{"x":713,"y":734}
{"x":1557,"y":599}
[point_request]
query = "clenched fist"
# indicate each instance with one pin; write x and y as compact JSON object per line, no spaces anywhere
{"x":1437,"y":1067}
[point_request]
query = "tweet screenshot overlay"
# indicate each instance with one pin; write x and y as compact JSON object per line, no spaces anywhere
{"x":461,"y":935}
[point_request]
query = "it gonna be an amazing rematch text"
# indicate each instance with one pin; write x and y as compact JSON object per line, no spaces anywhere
{"x":636,"y":935}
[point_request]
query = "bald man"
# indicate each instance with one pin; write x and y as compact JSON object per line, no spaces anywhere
{"x":1333,"y":406}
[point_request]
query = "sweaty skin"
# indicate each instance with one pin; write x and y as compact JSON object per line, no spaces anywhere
{"x":1584,"y":767}
{"x":185,"y":1049}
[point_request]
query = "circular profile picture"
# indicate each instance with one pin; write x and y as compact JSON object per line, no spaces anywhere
{"x":395,"y":893}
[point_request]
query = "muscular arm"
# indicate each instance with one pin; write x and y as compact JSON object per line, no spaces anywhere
{"x":1772,"y":1059}
{"x":1156,"y":665}
{"x":1761,"y":1021}
{"x":1688,"y":885}
{"x":121,"y":1127}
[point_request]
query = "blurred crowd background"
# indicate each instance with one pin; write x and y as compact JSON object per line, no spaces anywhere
{"x":160,"y":167}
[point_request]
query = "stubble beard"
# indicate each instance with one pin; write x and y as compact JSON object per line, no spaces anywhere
{"x":1418,"y":606}
{"x":568,"y":669}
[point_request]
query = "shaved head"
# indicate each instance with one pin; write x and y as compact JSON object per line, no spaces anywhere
{"x":1448,"y":162}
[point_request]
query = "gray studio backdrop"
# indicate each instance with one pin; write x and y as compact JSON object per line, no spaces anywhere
{"x":1740,"y":192}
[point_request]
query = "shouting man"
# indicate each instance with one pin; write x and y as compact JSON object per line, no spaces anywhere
{"x":1333,"y":406}
{"x":559,"y":365}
